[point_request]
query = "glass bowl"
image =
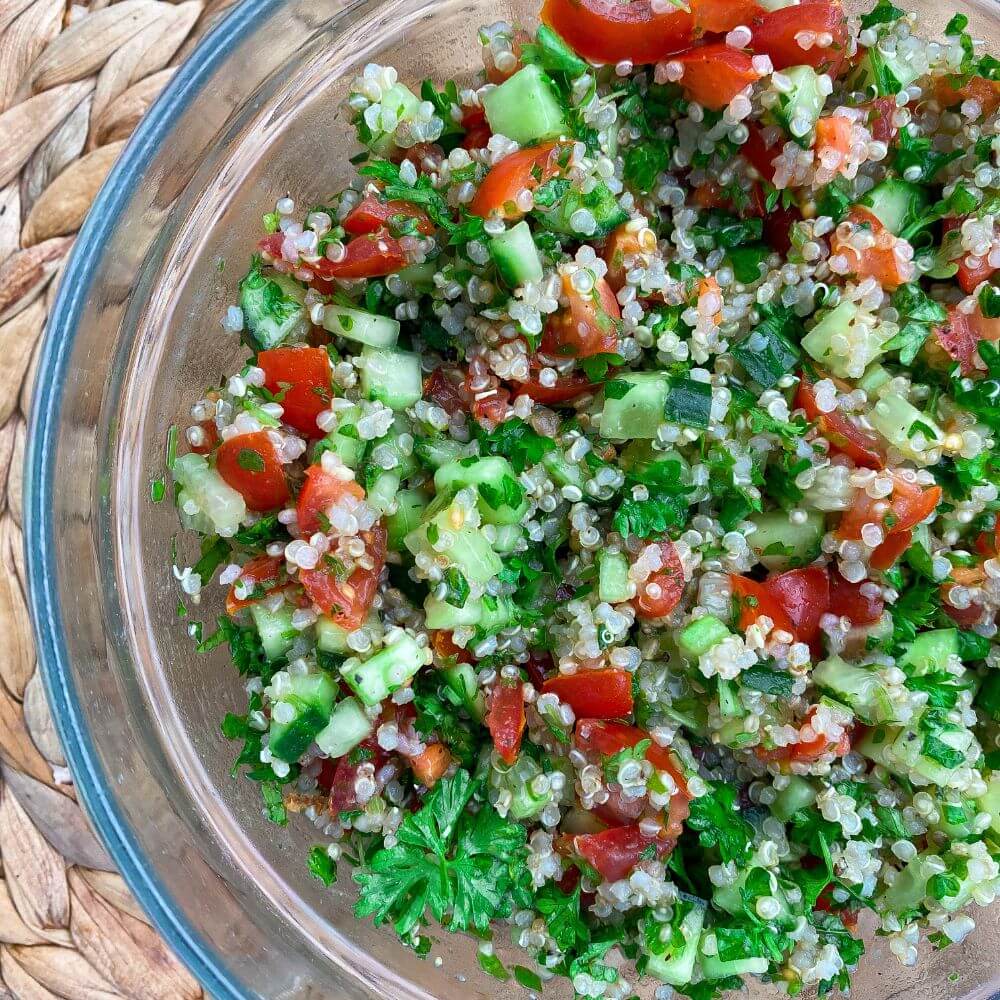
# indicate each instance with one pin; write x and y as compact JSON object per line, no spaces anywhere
{"x":133,"y":341}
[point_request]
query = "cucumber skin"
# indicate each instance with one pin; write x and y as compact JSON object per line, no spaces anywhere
{"x":360,"y":326}
{"x":515,"y":255}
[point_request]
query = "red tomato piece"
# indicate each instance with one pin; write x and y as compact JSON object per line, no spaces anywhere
{"x":567,"y":388}
{"x":618,"y":809}
{"x":606,"y":31}
{"x":373,"y":255}
{"x":614,"y":853}
{"x":445,"y":649}
{"x":972,"y":271}
{"x":847,"y":601}
{"x":778,"y":227}
{"x":811,"y":745}
{"x":880,"y":119}
{"x":833,"y":139}
{"x":804,"y":595}
{"x":340,"y":774}
{"x":607,"y":738}
{"x":986,"y":92}
{"x":538,"y":667}
{"x":249,"y":463}
{"x":879,"y":261}
{"x":908,"y":505}
{"x":587,"y":327}
{"x":962,"y":334}
{"x":623,"y":243}
{"x":755,"y":601}
{"x":489,"y":405}
{"x":445,"y":387}
{"x":714,"y":74}
{"x":716,"y":16}
{"x":775,"y":34}
{"x":761,"y":147}
{"x":320,"y":492}
{"x":838,"y":428}
{"x":527,"y":168}
{"x":210,"y":436}
{"x":962,"y":617}
{"x":301,"y":375}
{"x":347,"y":601}
{"x":264,"y":572}
{"x":370,"y":215}
{"x":506,"y":720}
{"x":477,"y":129}
{"x":596,"y":694}
{"x":670,"y":583}
{"x":885,"y":556}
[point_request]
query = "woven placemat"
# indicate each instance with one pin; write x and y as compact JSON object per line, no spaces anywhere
{"x":74,"y":81}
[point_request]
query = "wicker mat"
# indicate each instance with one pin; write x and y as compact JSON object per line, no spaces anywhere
{"x":74,"y":81}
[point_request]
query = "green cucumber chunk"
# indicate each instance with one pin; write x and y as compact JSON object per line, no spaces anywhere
{"x":273,"y":307}
{"x":930,"y":652}
{"x":310,"y":698}
{"x":525,"y":108}
{"x":860,"y":688}
{"x":348,"y":726}
{"x":797,"y":794}
{"x":896,"y":203}
{"x":360,"y":326}
{"x":798,"y":109}
{"x":781,"y":544}
{"x":516,"y":256}
{"x":400,"y":99}
{"x":638,"y":411}
{"x":905,"y":427}
{"x":391,"y":377}
{"x":344,"y":441}
{"x":613,"y":584}
{"x":223,"y":506}
{"x":858,"y":342}
{"x":410,"y":507}
{"x":700,"y":636}
{"x":387,"y":671}
{"x":275,"y":629}
{"x":675,"y":964}
{"x":501,"y":498}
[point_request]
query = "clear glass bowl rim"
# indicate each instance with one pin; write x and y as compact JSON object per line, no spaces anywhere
{"x":39,"y":488}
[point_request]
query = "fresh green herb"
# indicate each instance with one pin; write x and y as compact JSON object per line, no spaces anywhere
{"x":322,"y":866}
{"x":526,"y":978}
{"x":644,"y":162}
{"x":157,"y":490}
{"x":747,"y":262}
{"x":551,"y":53}
{"x":719,"y":823}
{"x":492,"y":965}
{"x":689,"y":403}
{"x":768,"y":680}
{"x":918,"y":315}
{"x":214,"y":552}
{"x":596,"y":366}
{"x":989,"y":301}
{"x":457,"y":587}
{"x":883,"y":13}
{"x":516,"y":441}
{"x":250,"y":460}
{"x":937,"y":750}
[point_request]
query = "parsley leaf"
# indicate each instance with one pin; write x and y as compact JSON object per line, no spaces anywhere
{"x":514,"y":440}
{"x":720,"y":824}
{"x":322,"y":866}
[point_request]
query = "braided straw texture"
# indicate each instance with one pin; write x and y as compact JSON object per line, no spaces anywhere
{"x":74,"y":81}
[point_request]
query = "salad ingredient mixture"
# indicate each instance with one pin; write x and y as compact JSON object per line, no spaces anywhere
{"x":607,"y":510}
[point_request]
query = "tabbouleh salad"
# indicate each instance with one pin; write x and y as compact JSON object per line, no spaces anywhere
{"x":608,"y":506}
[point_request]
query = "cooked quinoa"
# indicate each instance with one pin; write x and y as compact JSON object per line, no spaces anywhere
{"x":607,"y":510}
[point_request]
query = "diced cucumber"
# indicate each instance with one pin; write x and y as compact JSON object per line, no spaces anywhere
{"x":442,"y":615}
{"x":462,"y":679}
{"x":348,"y":726}
{"x":515,"y":255}
{"x":508,"y":538}
{"x":421,"y":276}
{"x":383,"y":490}
{"x":644,"y":460}
{"x":436,"y":451}
{"x":638,"y":412}
{"x":273,"y":309}
{"x":798,"y":109}
{"x":602,"y":204}
{"x":501,"y":498}
{"x":410,"y":507}
{"x":909,"y":887}
{"x":344,"y":441}
{"x":360,"y":326}
{"x":797,"y":794}
{"x":730,"y":706}
{"x":562,"y":471}
{"x":392,"y":377}
{"x":310,"y":699}
{"x":896,"y":203}
{"x":955,"y":819}
{"x":525,"y":108}
{"x":731,"y":897}
{"x":214,"y":497}
{"x":613,"y":584}
{"x":700,"y":635}
{"x":404,"y":103}
{"x":860,"y":688}
{"x":859,"y":341}
{"x":901,"y":751}
{"x":930,"y":652}
{"x":782,"y":544}
{"x":767,"y":356}
{"x":714,"y":968}
{"x":675,"y":965}
{"x":331,"y":637}
{"x":388,"y":670}
{"x":275,"y":629}
{"x":874,"y":378}
{"x":904,"y":427}
{"x":888,"y":73}
{"x":468,"y":550}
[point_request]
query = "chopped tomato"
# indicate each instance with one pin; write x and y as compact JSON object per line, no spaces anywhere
{"x":347,"y":601}
{"x":425,"y":156}
{"x":527,"y":168}
{"x":847,"y":601}
{"x":300,"y":377}
{"x":775,"y":34}
{"x":538,"y":666}
{"x":804,"y":595}
{"x":838,"y":428}
{"x":477,"y":129}
{"x":445,"y":387}
{"x":372,"y":214}
{"x":908,"y":505}
{"x":249,"y":463}
{"x":623,"y":243}
{"x":717,"y":16}
{"x":811,"y":745}
{"x":833,"y":141}
{"x":614,"y":853}
{"x":493,"y":72}
{"x":619,"y":809}
{"x":972,"y":271}
{"x":320,"y":492}
{"x":985,"y":92}
{"x":567,"y":388}
{"x":340,"y":775}
{"x":662,"y":591}
{"x":962,"y":333}
{"x":445,"y":649}
{"x":263,"y":572}
{"x":884,"y":557}
{"x":588,"y":326}
{"x":370,"y":256}
{"x":755,"y":601}
{"x":488,"y":401}
{"x":778,"y":227}
{"x":986,"y":543}
{"x":714,"y":74}
{"x":607,"y":31}
{"x":429,"y":767}
{"x":879,"y":261}
{"x":880,"y":119}
{"x":506,"y":720}
{"x":210,"y":436}
{"x":596,"y":694}
{"x":761,"y":147}
{"x":962,"y":617}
